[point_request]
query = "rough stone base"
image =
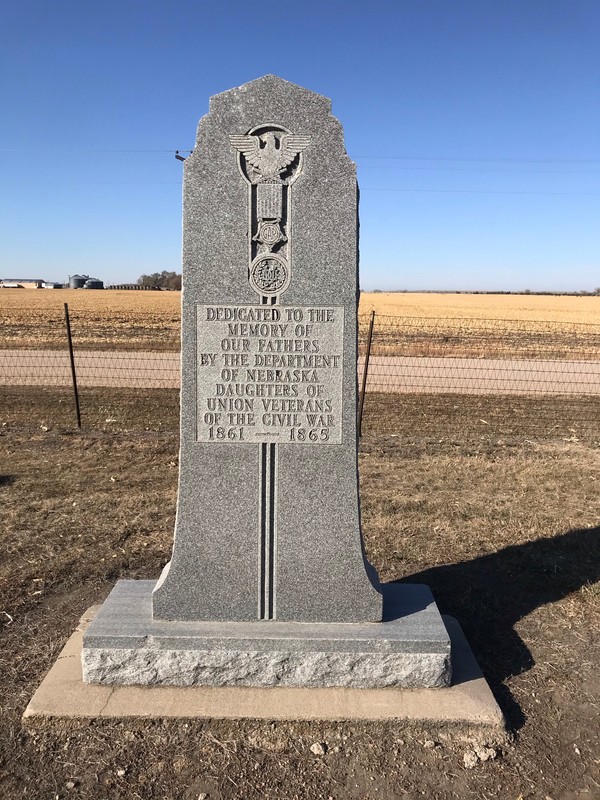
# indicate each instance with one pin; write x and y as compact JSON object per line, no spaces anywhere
{"x":124,"y":645}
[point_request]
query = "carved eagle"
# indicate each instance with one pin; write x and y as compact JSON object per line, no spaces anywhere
{"x":268,"y":154}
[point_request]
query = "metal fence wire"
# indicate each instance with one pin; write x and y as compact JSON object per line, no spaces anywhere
{"x":546,"y":374}
{"x":502,"y":357}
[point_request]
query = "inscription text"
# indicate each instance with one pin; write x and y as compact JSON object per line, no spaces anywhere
{"x":269,"y":374}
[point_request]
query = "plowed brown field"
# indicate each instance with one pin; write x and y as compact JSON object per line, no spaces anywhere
{"x":134,"y":319}
{"x":522,"y":307}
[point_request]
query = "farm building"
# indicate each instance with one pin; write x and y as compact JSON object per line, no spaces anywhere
{"x":21,"y":283}
{"x":134,"y":287}
{"x":85,"y":282}
{"x":93,"y":283}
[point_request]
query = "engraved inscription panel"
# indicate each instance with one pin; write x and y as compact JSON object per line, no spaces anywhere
{"x":269,"y":373}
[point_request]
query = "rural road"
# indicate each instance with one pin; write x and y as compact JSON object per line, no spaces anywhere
{"x":154,"y":370}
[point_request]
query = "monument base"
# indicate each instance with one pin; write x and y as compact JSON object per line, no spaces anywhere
{"x":124,"y":645}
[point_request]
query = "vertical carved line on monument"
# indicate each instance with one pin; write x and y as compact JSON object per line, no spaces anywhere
{"x":287,"y":245}
{"x":272,"y":528}
{"x":262,"y":555}
{"x":288,"y":226}
{"x":268,"y":531}
{"x":196,"y":329}
{"x":253,"y":223}
{"x":262,"y":534}
{"x":251,"y":219}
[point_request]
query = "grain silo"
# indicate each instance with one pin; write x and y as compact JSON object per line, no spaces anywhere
{"x":77,"y":281}
{"x":93,"y":283}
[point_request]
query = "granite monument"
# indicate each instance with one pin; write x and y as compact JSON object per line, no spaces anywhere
{"x":268,"y":583}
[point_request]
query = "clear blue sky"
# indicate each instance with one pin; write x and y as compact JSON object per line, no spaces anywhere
{"x":475,"y":125}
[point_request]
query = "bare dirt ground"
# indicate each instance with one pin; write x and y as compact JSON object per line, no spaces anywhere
{"x":502,"y":524}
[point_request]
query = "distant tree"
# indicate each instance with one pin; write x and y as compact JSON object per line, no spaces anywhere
{"x":171,"y":280}
{"x":161,"y":280}
{"x":597,"y":290}
{"x":149,"y":280}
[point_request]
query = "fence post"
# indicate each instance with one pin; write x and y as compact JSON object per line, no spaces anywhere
{"x":73,"y":373}
{"x":361,"y":401}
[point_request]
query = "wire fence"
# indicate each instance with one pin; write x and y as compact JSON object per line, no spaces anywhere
{"x":481,"y":378}
{"x":501,"y":357}
{"x":424,"y":374}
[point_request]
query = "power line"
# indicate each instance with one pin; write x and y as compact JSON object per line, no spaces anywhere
{"x":362,"y":188}
{"x":136,"y":151}
{"x":371,"y":158}
{"x":479,"y":160}
{"x":395,"y":167}
{"x":477,"y":191}
{"x":484,"y":170}
{"x":85,"y":150}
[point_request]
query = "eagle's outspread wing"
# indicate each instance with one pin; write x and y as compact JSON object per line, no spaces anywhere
{"x":290,"y":147}
{"x":248,"y":146}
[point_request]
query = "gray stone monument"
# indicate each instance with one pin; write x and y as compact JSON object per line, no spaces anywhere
{"x":268,"y":583}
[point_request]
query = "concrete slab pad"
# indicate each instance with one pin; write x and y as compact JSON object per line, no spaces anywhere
{"x":63,"y":695}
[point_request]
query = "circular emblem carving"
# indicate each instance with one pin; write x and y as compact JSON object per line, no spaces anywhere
{"x":269,"y":274}
{"x":270,"y":233}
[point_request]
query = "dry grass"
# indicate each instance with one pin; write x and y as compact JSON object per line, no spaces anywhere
{"x":503,"y":532}
{"x":452,"y":423}
{"x":445,"y":422}
{"x":138,"y":320}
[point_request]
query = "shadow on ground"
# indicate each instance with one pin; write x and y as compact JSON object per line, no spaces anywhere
{"x":490,"y":594}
